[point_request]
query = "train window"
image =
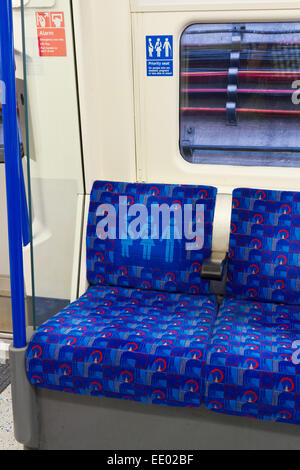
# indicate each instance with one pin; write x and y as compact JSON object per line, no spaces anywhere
{"x":240,"y":94}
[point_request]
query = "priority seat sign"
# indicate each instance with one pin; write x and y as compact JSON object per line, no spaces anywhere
{"x":160,"y":55}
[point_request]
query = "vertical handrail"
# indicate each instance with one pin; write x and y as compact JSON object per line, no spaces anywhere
{"x":12,"y":173}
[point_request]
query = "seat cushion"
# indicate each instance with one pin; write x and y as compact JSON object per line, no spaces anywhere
{"x":251,"y":366}
{"x":265,"y":246}
{"x":156,"y":259}
{"x":140,"y":345}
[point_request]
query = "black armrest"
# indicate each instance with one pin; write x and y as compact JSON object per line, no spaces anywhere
{"x":213,"y":267}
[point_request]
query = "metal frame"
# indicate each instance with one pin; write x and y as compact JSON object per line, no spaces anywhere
{"x":231,"y":110}
{"x":46,"y":419}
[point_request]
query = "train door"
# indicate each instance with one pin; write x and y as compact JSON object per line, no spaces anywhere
{"x":56,"y":180}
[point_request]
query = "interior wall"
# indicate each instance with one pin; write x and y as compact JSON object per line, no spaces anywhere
{"x":104,"y":59}
{"x":157,"y":102}
{"x":204,"y":5}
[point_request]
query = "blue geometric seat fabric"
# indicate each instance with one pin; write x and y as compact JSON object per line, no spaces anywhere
{"x":250,"y":368}
{"x":137,"y":345}
{"x":147,"y":263}
{"x":264,"y":255}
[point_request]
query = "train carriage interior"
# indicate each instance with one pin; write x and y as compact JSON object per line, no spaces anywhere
{"x":150,"y":224}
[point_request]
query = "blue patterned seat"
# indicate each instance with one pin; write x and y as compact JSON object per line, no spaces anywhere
{"x":142,"y":329}
{"x":265,"y":246}
{"x":250,"y":368}
{"x":250,"y":371}
{"x":158,"y":264}
{"x":141,"y":345}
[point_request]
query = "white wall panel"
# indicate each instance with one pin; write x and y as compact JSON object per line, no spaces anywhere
{"x":157,"y":106}
{"x":204,"y":5}
{"x":104,"y":57}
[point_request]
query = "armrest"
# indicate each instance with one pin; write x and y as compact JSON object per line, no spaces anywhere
{"x":213,"y":267}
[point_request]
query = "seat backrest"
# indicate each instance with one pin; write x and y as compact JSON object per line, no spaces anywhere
{"x":264,"y":253}
{"x":158,"y":264}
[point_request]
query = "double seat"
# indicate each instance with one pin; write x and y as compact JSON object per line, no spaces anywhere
{"x":149,"y":329}
{"x":251,"y":367}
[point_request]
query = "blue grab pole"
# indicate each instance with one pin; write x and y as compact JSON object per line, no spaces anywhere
{"x":12,"y":172}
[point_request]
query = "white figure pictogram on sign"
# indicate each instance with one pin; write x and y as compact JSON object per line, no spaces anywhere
{"x":150,"y":48}
{"x":167,"y":48}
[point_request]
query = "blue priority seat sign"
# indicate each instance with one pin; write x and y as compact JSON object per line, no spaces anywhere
{"x":160,"y":55}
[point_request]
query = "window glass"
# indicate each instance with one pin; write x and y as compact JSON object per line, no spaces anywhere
{"x":240,"y":94}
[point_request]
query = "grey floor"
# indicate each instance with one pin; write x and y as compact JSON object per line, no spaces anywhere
{"x":45,"y":308}
{"x":7,"y":440}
